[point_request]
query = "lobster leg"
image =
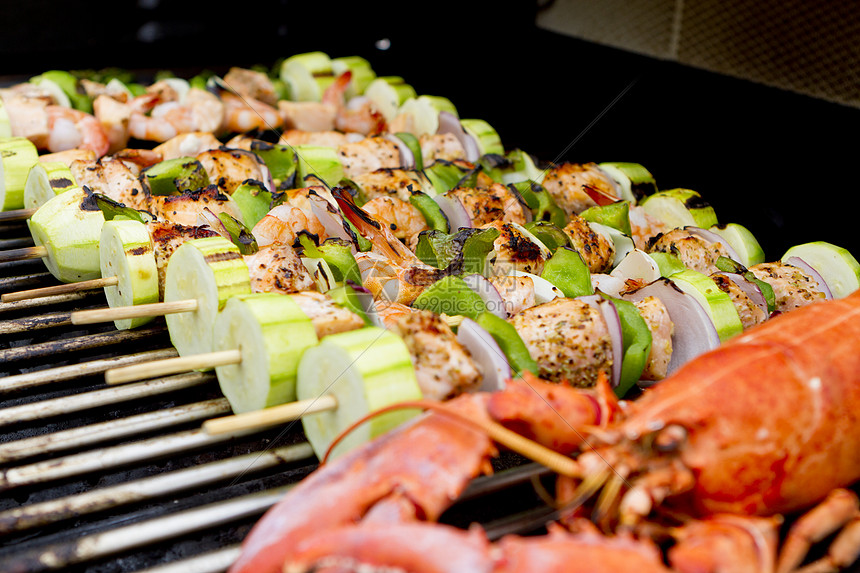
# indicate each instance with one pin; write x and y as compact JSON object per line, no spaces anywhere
{"x":840,"y":510}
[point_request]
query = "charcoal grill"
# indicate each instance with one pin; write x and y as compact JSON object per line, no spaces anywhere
{"x":76,"y":456}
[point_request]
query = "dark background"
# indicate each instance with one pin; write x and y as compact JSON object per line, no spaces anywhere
{"x":782,"y":164}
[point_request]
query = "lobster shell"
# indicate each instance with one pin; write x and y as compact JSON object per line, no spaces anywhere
{"x":772,"y":417}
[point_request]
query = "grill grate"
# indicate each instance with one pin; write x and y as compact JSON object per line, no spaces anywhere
{"x":120,"y":479}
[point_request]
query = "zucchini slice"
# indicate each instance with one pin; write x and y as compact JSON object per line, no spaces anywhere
{"x":46,"y":180}
{"x":366,"y":369}
{"x":210,"y":271}
{"x":271,"y":332}
{"x":125,"y":252}
{"x":17,"y":156}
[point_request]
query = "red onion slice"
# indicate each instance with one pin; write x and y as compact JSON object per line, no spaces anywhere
{"x":808,"y":269}
{"x":486,"y":352}
{"x":207,"y":218}
{"x":458,"y":217}
{"x":613,"y":325}
{"x":448,"y":123}
{"x":750,"y":289}
{"x":694,"y":333}
{"x":489,"y":294}
{"x":712,"y":237}
{"x":407,"y":158}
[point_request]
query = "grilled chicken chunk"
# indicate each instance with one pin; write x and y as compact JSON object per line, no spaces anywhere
{"x":513,"y":251}
{"x":749,"y":312}
{"x":792,"y":288}
{"x":443,"y":367}
{"x":568,"y":339}
{"x":228,"y":168}
{"x":277,"y":268}
{"x":367,"y":155}
{"x":322,"y":138}
{"x":654,"y":312}
{"x":113,"y":178}
{"x":485,"y":206}
{"x":517,"y":292}
{"x":597,"y":251}
{"x":441,"y":146}
{"x":166,"y":237}
{"x":326,"y":315}
{"x":695,"y":252}
{"x":565,"y":182}
{"x":390,"y":182}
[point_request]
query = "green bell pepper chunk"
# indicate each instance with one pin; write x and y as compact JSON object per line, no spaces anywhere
{"x":637,"y":345}
{"x":281,"y":161}
{"x":548,"y":234}
{"x":615,"y":215}
{"x":346,"y":297}
{"x":567,"y":271}
{"x":464,"y":252}
{"x":668,"y":264}
{"x":414,"y":146}
{"x":114,"y":210}
{"x":436,"y":219}
{"x":728,"y":265}
{"x":336,"y":253}
{"x":240,"y":235}
{"x":444,"y":175}
{"x":540,"y":202}
{"x":506,"y":336}
{"x":254,"y":201}
{"x":495,"y":166}
{"x":362,"y":242}
{"x":452,"y":296}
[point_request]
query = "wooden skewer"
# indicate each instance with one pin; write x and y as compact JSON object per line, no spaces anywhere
{"x":23,"y":254}
{"x":59,"y":289}
{"x":169,"y":366}
{"x":139,"y":311}
{"x":16,"y":215}
{"x":270,"y":416}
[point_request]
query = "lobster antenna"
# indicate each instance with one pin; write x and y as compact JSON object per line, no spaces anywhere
{"x":608,"y":497}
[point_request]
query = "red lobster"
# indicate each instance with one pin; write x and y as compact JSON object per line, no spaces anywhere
{"x":766,"y":424}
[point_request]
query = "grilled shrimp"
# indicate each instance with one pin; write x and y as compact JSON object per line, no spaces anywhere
{"x":307,"y":116}
{"x":597,"y":251}
{"x":200,"y":111}
{"x":443,"y":367}
{"x":518,"y":292}
{"x":514,"y":251}
{"x":307,"y":137}
{"x":792,"y":288}
{"x":72,"y":129}
{"x":568,"y":339}
{"x":485,"y":206}
{"x":277,"y":268}
{"x":565,"y":183}
{"x":242,"y":114}
{"x":114,"y":116}
{"x":695,"y":252}
{"x":280,"y":225}
{"x":404,"y":220}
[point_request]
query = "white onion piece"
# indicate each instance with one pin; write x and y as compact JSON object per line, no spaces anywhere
{"x":457,"y":215}
{"x":525,"y":206}
{"x":808,"y":269}
{"x":545,"y":291}
{"x":637,"y":265}
{"x":448,"y":123}
{"x":712,"y":237}
{"x":407,"y":158}
{"x":368,"y":305}
{"x":489,"y":294}
{"x":330,"y":218}
{"x":608,"y":284}
{"x":321,"y":273}
{"x":623,"y":243}
{"x":749,"y":288}
{"x":207,"y":218}
{"x":486,"y":352}
{"x":613,"y":325}
{"x":266,"y":176}
{"x":694,"y":333}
